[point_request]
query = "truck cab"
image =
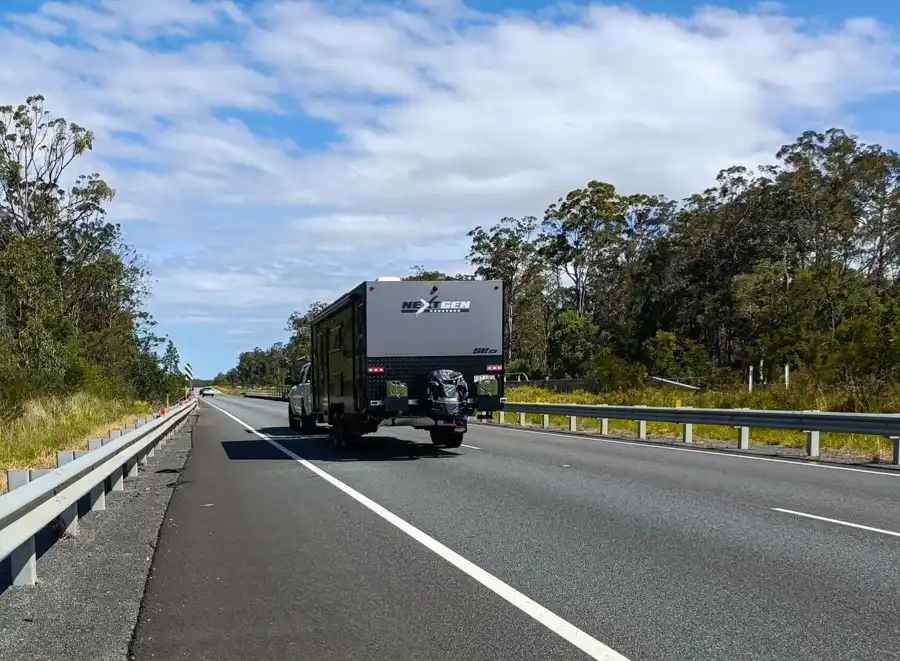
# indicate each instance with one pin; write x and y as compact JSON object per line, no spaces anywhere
{"x":301,"y":416}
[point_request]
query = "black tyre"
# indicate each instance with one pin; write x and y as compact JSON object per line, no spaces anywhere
{"x":446,"y":438}
{"x":337,"y":431}
{"x":308,"y":424}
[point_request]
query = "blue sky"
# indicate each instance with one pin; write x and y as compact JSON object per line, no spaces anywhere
{"x":268,"y":154}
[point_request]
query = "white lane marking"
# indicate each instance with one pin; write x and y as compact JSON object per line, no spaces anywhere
{"x":660,"y":446}
{"x":474,"y":447}
{"x":838,"y":521}
{"x":569,"y":632}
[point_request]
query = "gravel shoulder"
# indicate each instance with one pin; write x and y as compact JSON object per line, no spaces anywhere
{"x":87,"y":600}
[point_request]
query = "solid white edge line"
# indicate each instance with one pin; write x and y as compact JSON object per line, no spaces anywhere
{"x":838,"y":521}
{"x":660,"y":446}
{"x":474,"y":447}
{"x":569,"y":632}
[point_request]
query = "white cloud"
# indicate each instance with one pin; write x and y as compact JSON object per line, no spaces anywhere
{"x":443,"y":118}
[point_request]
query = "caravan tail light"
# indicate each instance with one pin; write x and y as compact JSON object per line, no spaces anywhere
{"x":376,"y":370}
{"x":495,"y":368}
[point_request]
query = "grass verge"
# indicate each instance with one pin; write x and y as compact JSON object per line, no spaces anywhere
{"x":872,"y":448}
{"x":60,"y":423}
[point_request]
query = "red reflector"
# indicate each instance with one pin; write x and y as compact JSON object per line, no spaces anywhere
{"x":495,"y":368}
{"x":376,"y":370}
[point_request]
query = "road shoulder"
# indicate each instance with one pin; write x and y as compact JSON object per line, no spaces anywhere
{"x":86,"y":603}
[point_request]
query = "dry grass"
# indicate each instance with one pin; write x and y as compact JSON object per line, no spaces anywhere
{"x":874,"y":448}
{"x":60,"y":423}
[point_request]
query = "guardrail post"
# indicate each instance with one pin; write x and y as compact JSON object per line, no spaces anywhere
{"x":131,"y":468}
{"x":545,"y":421}
{"x":604,"y":424}
{"x":812,"y":440}
{"x":69,"y":518}
{"x":97,"y":495}
{"x":642,"y":425}
{"x":743,"y":436}
{"x":573,"y":425}
{"x":500,"y":418}
{"x":23,"y":560}
{"x":115,"y":480}
{"x":521,"y":419}
{"x":812,"y":443}
{"x":688,"y":433}
{"x":142,"y":458}
{"x":895,"y":453}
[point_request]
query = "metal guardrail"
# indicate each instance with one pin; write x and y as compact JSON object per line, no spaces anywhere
{"x":278,"y":394}
{"x":742,"y":420}
{"x":49,"y":497}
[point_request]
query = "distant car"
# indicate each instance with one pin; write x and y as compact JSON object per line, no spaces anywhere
{"x":204,"y":392}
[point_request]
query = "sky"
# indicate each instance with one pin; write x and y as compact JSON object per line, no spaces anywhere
{"x":266,"y":154}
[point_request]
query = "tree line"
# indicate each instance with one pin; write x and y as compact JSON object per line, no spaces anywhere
{"x":793,"y":263}
{"x":71,"y":289}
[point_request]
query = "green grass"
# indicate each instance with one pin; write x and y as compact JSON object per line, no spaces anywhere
{"x":874,"y":448}
{"x":60,"y":423}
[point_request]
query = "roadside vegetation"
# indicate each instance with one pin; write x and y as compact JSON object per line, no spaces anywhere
{"x":78,"y":353}
{"x":795,"y":263}
{"x":48,"y":424}
{"x":800,"y":397}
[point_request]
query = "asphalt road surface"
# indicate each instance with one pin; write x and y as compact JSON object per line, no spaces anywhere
{"x":523,"y":545}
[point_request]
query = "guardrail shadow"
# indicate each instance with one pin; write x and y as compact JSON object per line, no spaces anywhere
{"x":319,"y":447}
{"x":44,"y":540}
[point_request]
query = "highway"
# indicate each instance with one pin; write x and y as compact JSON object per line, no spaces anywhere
{"x":519,"y":545}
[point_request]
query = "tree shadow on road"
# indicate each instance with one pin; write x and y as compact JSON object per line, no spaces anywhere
{"x":319,"y":447}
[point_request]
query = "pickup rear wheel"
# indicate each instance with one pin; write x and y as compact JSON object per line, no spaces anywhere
{"x":292,"y":420}
{"x":307,"y":422}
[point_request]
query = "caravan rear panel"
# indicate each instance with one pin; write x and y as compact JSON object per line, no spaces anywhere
{"x":416,"y":327}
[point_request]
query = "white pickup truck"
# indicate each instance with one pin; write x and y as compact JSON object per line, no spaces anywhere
{"x":300,"y":403}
